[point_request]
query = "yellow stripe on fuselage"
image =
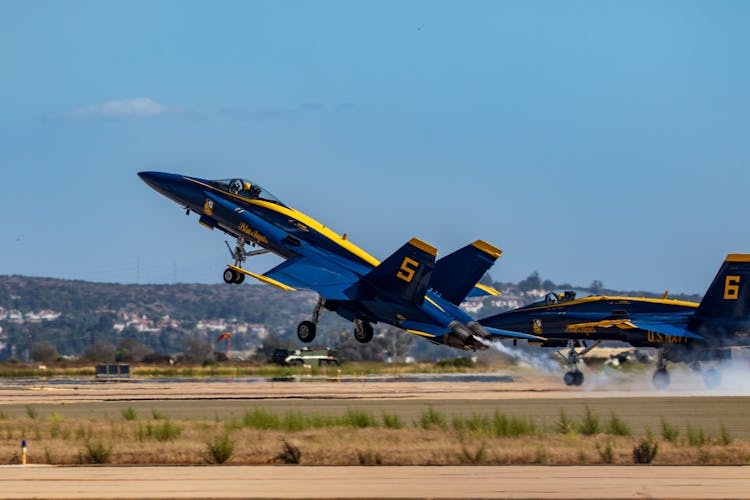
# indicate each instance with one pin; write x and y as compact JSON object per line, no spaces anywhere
{"x":596,"y":298}
{"x":304,"y":219}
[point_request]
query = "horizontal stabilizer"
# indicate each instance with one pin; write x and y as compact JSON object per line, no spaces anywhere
{"x":424,"y":329}
{"x":665,"y":329}
{"x":406,"y":273}
{"x":456,"y":274}
{"x":481,"y":290}
{"x":508,"y":334}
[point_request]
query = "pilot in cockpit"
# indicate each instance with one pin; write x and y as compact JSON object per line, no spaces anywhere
{"x":238,"y":186}
{"x":555,"y":298}
{"x":235,"y":186}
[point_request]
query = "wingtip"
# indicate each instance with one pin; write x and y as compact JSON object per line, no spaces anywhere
{"x":738,"y":257}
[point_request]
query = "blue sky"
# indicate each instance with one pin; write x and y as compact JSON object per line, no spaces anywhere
{"x":589,"y":140}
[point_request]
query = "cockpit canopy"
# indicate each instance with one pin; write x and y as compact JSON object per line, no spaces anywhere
{"x":246,"y":189}
{"x":555,"y":298}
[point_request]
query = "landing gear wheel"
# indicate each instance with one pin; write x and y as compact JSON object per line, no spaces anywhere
{"x":306,"y":331}
{"x":240,"y":278}
{"x":230,"y":276}
{"x":363,"y":332}
{"x":573,"y":378}
{"x":712,"y":378}
{"x":661,"y":378}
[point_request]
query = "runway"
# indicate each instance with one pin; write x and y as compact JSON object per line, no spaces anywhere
{"x":374,"y":482}
{"x":526,"y":396}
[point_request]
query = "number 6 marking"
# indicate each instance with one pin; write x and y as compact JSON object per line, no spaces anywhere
{"x":731,"y":287}
{"x":406,"y":272}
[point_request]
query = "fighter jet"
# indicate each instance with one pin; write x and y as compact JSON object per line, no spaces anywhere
{"x":409,"y":289}
{"x":698,"y":334}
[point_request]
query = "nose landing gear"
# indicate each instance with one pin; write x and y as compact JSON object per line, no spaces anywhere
{"x":239,"y":255}
{"x":574,"y":376}
{"x":232,"y":277}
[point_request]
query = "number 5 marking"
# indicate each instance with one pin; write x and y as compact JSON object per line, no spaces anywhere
{"x":731,"y":287}
{"x":406,"y":272}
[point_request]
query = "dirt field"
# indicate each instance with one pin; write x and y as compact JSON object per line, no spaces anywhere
{"x":375,"y":482}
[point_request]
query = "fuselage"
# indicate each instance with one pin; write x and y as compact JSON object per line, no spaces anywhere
{"x":597,"y":318}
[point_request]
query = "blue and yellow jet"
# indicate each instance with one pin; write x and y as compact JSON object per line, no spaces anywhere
{"x":681,"y":331}
{"x":409,"y":289}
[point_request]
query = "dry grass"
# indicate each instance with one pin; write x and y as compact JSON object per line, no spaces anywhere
{"x":356,"y":438}
{"x":236,"y":369}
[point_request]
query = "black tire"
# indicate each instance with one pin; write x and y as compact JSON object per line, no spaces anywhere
{"x":579,"y":378}
{"x":306,"y":331}
{"x":230,"y":275}
{"x":240,"y":278}
{"x":712,"y":378}
{"x":298,"y":362}
{"x":661,"y":379}
{"x":363,"y":334}
{"x":570,"y":378}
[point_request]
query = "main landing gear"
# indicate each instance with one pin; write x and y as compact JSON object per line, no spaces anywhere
{"x":661,"y":375}
{"x":239,"y":255}
{"x":306,"y":330}
{"x":574,"y":376}
{"x":362,"y":331}
{"x":711,"y":376}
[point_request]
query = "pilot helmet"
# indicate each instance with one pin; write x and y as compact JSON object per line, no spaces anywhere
{"x":247,"y":186}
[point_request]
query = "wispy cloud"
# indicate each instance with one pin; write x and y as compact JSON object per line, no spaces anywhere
{"x":138,"y":107}
{"x":278,"y":113}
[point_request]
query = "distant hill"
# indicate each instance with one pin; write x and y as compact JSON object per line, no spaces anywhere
{"x":73,"y":315}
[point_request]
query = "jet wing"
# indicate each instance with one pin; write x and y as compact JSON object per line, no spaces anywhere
{"x":668,"y":329}
{"x":311,"y":273}
{"x":665,"y":328}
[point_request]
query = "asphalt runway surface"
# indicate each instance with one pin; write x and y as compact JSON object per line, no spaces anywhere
{"x":18,"y":482}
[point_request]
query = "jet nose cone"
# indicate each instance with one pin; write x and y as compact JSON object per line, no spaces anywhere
{"x":170,"y":185}
{"x":153,"y":179}
{"x":160,"y":181}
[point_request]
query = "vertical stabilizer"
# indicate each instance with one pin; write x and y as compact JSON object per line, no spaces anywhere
{"x":456,"y":274}
{"x":728,"y":297}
